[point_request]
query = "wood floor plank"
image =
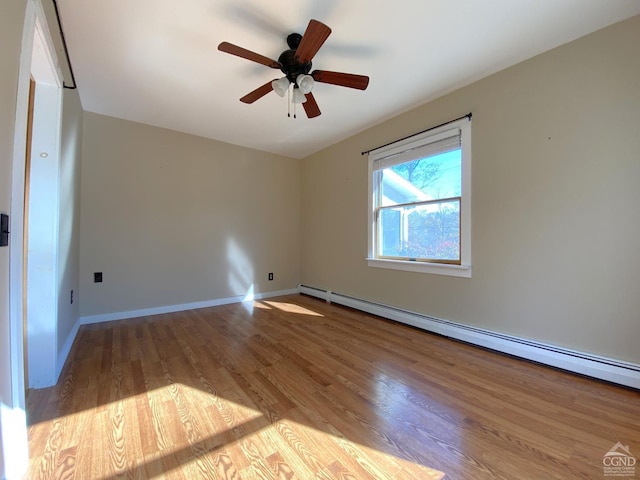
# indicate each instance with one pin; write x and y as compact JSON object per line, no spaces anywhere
{"x":295,"y":388}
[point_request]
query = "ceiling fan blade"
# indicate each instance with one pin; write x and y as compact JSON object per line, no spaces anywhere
{"x":227,"y":47}
{"x":313,"y":38}
{"x":257,"y":94}
{"x":310,"y":106}
{"x":361,"y":82}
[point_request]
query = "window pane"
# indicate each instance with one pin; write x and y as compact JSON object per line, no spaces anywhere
{"x":430,"y":178}
{"x":391,"y":231}
{"x":430,"y":231}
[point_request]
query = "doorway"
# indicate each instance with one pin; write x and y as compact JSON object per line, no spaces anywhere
{"x":37,"y":61}
{"x":40,"y":223}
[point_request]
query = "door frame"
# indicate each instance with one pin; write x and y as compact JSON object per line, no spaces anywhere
{"x":37,"y":59}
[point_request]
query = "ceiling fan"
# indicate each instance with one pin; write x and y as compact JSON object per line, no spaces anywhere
{"x":295,"y":63}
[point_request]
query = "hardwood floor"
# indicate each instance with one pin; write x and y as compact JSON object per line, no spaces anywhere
{"x":293,"y":387}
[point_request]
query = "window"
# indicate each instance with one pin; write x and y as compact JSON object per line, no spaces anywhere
{"x":420,"y":218}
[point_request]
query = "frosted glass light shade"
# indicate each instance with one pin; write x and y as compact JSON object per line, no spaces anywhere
{"x":298,"y":96}
{"x":280,"y":86}
{"x":305,"y":83}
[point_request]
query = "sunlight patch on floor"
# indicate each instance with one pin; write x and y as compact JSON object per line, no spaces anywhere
{"x":261,"y":305}
{"x":185,"y":431}
{"x":281,"y":449}
{"x":292,"y":308}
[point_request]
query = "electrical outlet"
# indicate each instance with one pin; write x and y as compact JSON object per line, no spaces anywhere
{"x":97,"y":277}
{"x":270,"y":276}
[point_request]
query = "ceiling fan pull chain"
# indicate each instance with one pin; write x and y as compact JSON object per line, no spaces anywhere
{"x":289,"y":101}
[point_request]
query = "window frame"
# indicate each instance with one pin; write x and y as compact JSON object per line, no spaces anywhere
{"x":405,"y":146}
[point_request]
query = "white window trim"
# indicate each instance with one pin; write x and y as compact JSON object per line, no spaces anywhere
{"x":462,"y":270}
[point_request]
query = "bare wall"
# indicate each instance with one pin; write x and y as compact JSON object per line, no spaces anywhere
{"x":171,"y":218}
{"x":555,"y":225}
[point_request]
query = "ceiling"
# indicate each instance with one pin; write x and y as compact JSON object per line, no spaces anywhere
{"x":156,"y":61}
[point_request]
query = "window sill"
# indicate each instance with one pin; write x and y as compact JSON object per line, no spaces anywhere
{"x":421,"y":267}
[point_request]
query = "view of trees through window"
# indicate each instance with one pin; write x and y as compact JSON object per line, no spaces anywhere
{"x":419,"y":216}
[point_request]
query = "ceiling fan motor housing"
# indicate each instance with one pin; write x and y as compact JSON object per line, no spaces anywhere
{"x":290,"y":66}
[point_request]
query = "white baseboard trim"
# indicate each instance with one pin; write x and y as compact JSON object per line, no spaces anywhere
{"x":108,"y":317}
{"x":595,"y":366}
{"x":66,"y":349}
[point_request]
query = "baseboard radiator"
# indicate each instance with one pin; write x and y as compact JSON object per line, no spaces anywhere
{"x":595,"y":366}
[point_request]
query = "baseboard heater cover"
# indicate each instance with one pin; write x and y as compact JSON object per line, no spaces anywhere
{"x":595,"y":366}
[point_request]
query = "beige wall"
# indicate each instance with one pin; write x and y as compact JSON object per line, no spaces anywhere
{"x":171,"y":218}
{"x":556,"y":231}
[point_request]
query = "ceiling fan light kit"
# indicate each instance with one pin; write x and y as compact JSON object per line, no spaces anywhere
{"x":298,"y":96}
{"x":305,"y":83}
{"x":281,"y":86}
{"x":295,"y":63}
